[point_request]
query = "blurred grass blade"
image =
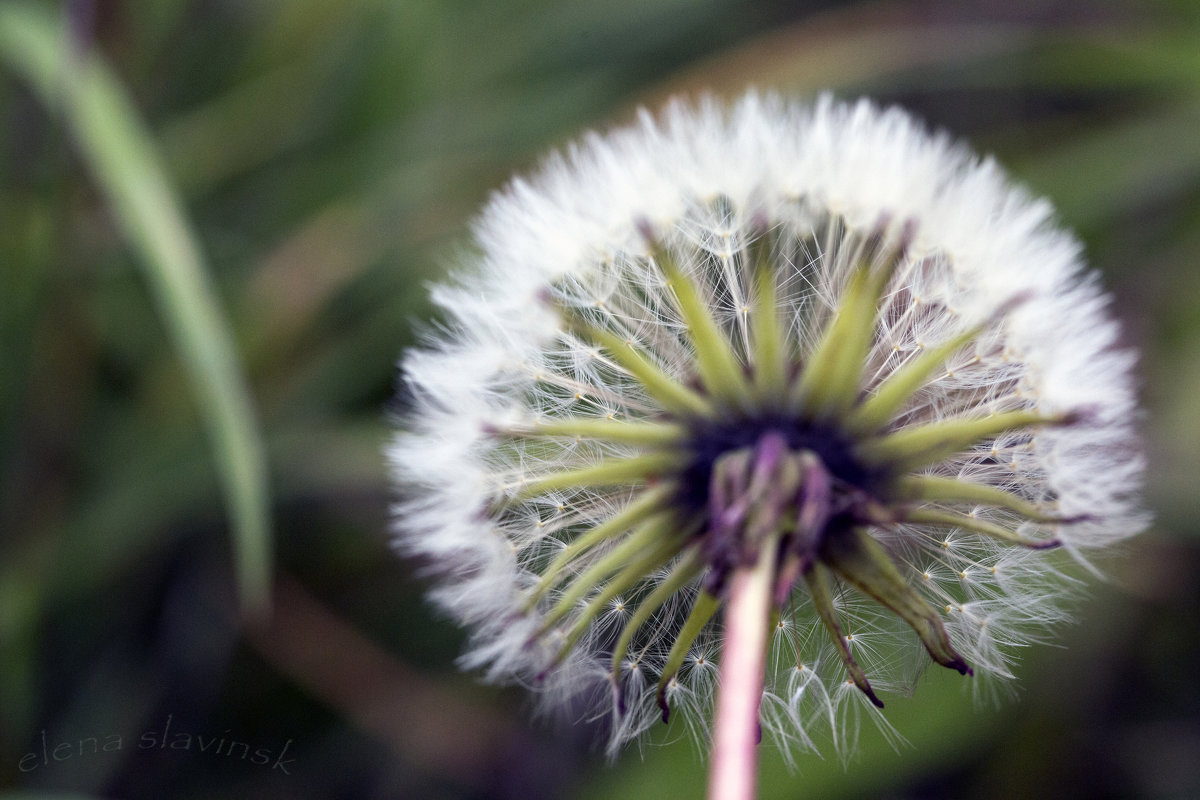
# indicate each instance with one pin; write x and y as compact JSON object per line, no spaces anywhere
{"x":1112,"y":170}
{"x":125,"y":163}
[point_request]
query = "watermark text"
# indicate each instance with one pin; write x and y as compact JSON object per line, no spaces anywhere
{"x":167,"y":737}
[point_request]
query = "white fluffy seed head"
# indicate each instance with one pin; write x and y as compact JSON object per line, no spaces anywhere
{"x":707,"y":179}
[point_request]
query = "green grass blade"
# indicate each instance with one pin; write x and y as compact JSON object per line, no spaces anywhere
{"x":123,"y":158}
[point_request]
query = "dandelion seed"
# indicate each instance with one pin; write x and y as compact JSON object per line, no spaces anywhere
{"x":816,"y":342}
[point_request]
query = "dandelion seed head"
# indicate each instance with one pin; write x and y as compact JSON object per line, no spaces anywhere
{"x":818,"y":329}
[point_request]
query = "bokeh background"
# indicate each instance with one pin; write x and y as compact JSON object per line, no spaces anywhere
{"x":326,"y":158}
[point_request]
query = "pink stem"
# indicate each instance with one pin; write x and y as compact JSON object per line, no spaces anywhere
{"x":734,"y":770}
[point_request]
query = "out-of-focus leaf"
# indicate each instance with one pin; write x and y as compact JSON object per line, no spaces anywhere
{"x":124,"y":160}
{"x":1115,"y":58}
{"x":858,"y":46}
{"x":1101,"y":173}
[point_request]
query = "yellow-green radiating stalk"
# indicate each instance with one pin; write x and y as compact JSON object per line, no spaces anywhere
{"x":818,"y":580}
{"x":650,"y":503}
{"x":689,"y":566}
{"x":664,"y":546}
{"x":641,"y":433}
{"x":935,"y":489}
{"x":900,"y":386}
{"x":768,"y":336}
{"x":921,"y":445}
{"x":608,"y":472}
{"x":826,"y":391}
{"x":704,"y":608}
{"x":833,"y":375}
{"x":643,"y":539}
{"x":950,"y":519}
{"x":862,"y":561}
{"x":720,"y":372}
{"x":674,"y":396}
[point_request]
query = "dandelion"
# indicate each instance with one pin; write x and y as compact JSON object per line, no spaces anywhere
{"x":788,"y":398}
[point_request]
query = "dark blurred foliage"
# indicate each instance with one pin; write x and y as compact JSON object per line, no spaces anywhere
{"x":330,"y":156}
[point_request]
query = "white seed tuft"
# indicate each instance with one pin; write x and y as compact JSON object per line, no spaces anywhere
{"x":702,"y":179}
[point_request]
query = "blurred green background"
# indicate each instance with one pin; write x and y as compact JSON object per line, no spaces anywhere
{"x":325,"y":160}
